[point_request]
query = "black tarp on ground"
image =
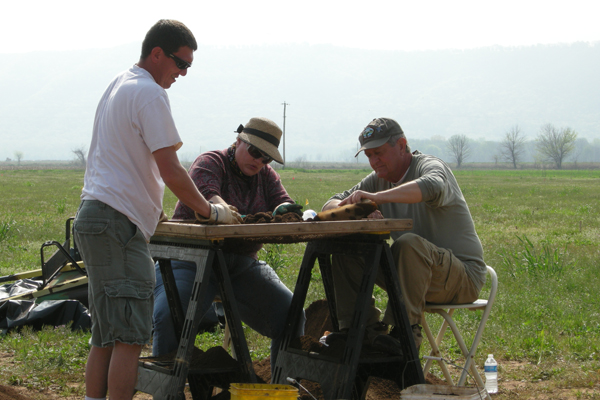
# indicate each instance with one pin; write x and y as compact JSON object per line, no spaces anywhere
{"x":19,"y":287}
{"x":25,"y":289}
{"x":18,"y":313}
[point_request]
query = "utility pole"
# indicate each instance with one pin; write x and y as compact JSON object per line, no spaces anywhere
{"x":284,"y":107}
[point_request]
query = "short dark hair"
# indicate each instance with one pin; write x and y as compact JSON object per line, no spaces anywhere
{"x":169,"y":35}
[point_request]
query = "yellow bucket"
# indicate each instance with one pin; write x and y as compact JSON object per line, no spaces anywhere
{"x":250,"y":391}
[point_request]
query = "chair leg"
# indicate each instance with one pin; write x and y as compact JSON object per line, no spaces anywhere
{"x":435,"y":351}
{"x":469,"y":365}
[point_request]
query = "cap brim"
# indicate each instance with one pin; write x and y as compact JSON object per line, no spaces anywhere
{"x":372,"y":144}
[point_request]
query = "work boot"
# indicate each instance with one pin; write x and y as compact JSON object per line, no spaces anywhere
{"x":387,"y":344}
{"x":380,"y":340}
{"x":391,"y":343}
{"x":371,"y":332}
{"x":342,"y":335}
{"x":377,"y":329}
{"x":416,"y":332}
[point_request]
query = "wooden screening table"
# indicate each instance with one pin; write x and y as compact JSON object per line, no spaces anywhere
{"x":202,"y":244}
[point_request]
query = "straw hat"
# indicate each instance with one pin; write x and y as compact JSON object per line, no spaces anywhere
{"x":264,"y":134}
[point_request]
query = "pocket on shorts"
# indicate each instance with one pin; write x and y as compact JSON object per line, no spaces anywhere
{"x":93,"y":241}
{"x":131,"y":302}
{"x":134,"y":289}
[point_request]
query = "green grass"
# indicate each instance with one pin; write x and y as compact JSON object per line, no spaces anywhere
{"x":540,"y":231}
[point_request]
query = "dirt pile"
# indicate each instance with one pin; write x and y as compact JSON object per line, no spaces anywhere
{"x":8,"y":393}
{"x":267,"y":218}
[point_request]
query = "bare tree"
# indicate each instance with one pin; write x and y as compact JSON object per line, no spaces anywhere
{"x":19,"y":156}
{"x":458,"y":147}
{"x":513,"y":145}
{"x":555,"y":144}
{"x":81,"y":154}
{"x":496,"y":158}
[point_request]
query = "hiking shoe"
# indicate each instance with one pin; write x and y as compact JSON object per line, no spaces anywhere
{"x":371,"y":332}
{"x":416,"y":332}
{"x":334,"y":337}
{"x":387,"y":344}
{"x":374,"y":330}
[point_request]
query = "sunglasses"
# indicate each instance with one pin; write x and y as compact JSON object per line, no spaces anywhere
{"x":181,"y":64}
{"x":256,"y":154}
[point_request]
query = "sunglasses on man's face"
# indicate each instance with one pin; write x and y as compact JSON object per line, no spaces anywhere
{"x":181,"y":64}
{"x":256,"y":154}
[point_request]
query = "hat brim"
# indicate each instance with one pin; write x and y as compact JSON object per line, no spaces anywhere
{"x":372,"y":144}
{"x":263,"y":146}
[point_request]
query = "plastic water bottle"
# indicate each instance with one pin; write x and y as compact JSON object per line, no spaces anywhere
{"x":491,"y":374}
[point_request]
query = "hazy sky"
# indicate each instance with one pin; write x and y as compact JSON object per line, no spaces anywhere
{"x":391,"y":24}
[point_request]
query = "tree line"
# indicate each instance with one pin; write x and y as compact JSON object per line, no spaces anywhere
{"x":552,"y":145}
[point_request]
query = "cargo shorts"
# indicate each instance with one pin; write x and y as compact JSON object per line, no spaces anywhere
{"x":120,"y":274}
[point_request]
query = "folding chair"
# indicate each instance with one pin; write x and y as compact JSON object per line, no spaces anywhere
{"x":480,"y":304}
{"x":60,"y":258}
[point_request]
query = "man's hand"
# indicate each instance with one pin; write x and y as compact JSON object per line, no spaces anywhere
{"x":357,"y":197}
{"x":348,"y":212}
{"x":221,"y":214}
{"x":285,"y":208}
{"x":375,"y":215}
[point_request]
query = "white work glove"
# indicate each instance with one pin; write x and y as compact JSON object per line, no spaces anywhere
{"x":221,"y":214}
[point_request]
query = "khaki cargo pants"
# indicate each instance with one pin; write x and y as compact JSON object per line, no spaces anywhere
{"x":427,"y":273}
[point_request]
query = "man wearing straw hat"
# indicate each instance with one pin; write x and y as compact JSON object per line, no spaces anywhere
{"x":239,"y":176}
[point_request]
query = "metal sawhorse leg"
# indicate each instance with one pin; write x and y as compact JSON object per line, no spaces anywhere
{"x":347,"y":377}
{"x":168,"y":381}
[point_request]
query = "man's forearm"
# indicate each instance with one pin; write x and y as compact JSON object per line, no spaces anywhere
{"x":177,"y":179}
{"x":183,"y":187}
{"x":407,"y":193}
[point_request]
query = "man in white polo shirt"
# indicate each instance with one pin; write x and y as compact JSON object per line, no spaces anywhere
{"x":132,"y":156}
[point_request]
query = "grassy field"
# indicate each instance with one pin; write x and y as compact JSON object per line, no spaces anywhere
{"x":540,"y":231}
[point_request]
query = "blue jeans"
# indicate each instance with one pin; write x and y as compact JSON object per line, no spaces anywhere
{"x":262,"y":299}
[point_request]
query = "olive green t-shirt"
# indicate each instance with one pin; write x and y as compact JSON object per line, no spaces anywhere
{"x":443,"y":217}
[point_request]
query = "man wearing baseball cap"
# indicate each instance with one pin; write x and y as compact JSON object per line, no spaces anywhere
{"x":439,"y":261}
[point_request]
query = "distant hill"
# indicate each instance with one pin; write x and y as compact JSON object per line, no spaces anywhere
{"x":48,"y":100}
